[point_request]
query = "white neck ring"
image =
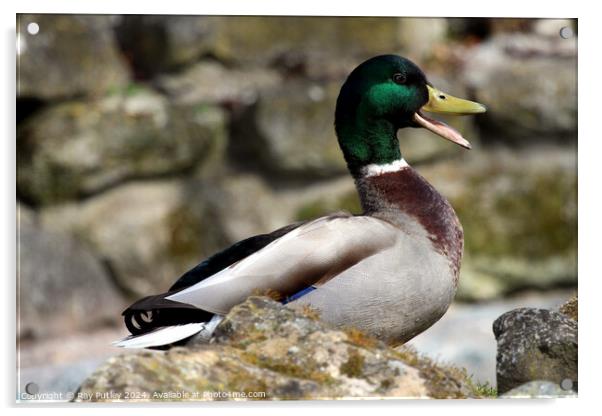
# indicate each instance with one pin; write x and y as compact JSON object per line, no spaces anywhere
{"x":375,"y":169}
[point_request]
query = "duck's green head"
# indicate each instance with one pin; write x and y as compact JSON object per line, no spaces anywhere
{"x":382,"y":95}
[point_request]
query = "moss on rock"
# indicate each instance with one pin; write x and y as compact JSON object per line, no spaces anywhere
{"x":262,"y":346}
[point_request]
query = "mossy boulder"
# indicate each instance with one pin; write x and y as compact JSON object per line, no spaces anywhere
{"x":265,"y":351}
{"x":71,"y":55}
{"x":77,"y":148}
{"x":535,"y":344}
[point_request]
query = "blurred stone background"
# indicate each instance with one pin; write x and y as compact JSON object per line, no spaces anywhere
{"x":146,"y":143}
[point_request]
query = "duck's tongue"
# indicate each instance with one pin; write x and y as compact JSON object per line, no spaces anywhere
{"x":441,"y":129}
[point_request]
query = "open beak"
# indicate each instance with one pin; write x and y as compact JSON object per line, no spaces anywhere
{"x":443,"y":103}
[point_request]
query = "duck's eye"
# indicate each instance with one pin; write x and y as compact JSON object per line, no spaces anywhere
{"x":399,"y":78}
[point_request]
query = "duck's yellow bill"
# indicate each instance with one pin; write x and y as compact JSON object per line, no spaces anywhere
{"x":440,"y":102}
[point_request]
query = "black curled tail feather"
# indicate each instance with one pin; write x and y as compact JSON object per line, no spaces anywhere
{"x":153,"y":312}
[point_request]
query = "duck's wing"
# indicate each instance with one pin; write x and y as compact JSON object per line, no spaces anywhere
{"x":200,"y":272}
{"x":308,"y":255}
{"x":229,"y":256}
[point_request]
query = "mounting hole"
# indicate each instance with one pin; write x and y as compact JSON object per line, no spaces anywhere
{"x":566,"y":384}
{"x":32,"y":388}
{"x":33,"y":28}
{"x":566,"y":32}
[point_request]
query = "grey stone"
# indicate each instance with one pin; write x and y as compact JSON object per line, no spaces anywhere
{"x":148,"y":232}
{"x":529,"y":85}
{"x":535,"y":344}
{"x":162,"y":43}
{"x":78,"y":148}
{"x":61,"y":285}
{"x":245,"y":206}
{"x":290,"y":131}
{"x":212,"y":82}
{"x":70,"y":55}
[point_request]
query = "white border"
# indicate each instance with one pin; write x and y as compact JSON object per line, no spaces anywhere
{"x":590,"y":216}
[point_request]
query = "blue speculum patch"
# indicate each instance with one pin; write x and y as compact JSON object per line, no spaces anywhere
{"x":298,"y":295}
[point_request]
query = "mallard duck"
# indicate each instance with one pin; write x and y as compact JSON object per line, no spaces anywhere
{"x":391,"y":272}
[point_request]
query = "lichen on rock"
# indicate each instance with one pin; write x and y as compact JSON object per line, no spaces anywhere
{"x":570,"y":308}
{"x":264,"y":350}
{"x":535,"y":344}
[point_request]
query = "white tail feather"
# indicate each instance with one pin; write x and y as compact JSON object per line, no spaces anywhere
{"x":169,"y":334}
{"x":161,"y":336}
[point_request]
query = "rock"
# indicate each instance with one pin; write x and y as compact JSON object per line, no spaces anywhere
{"x":519,"y":213}
{"x":263,"y":350}
{"x":156,"y":44}
{"x":570,"y":308}
{"x":266,"y":40}
{"x":290,"y":131}
{"x":432,"y":31}
{"x":78,"y":148}
{"x":538,"y":390}
{"x":246,"y":206}
{"x":70,"y":55}
{"x":148,"y":232}
{"x":529,"y":85}
{"x":212,"y":82}
{"x":535,"y":344}
{"x":62,"y":286}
